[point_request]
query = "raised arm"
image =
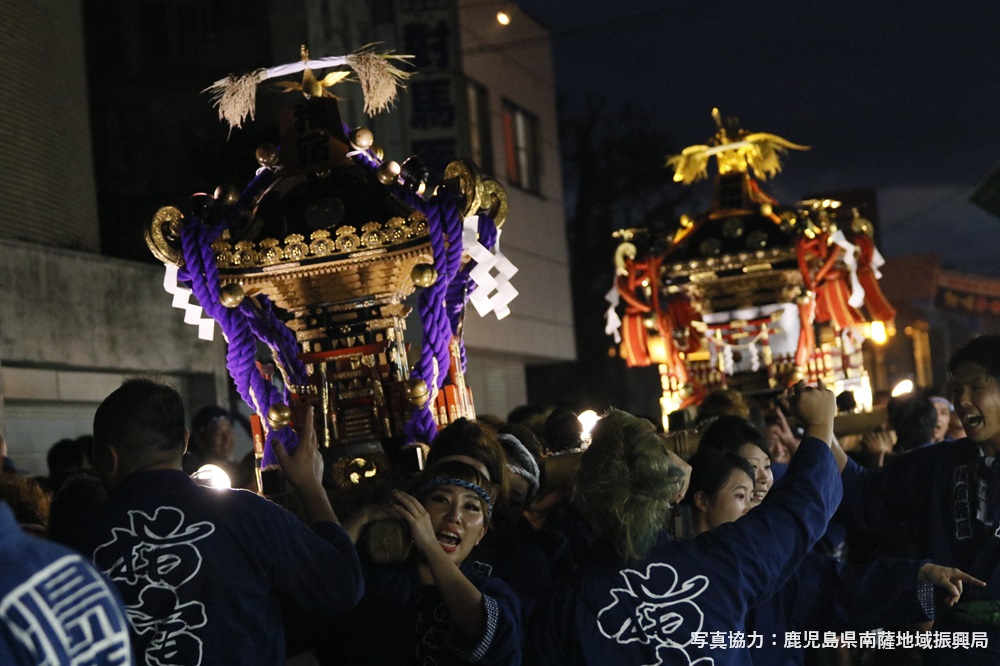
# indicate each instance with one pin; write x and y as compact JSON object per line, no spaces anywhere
{"x":815,"y":407}
{"x":784,"y":431}
{"x":316,"y":566}
{"x":303,"y":469}
{"x":764,"y":546}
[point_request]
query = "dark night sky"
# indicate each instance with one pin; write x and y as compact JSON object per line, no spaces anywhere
{"x":894,"y":96}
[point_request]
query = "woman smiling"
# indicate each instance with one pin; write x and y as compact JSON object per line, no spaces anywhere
{"x":437,"y":607}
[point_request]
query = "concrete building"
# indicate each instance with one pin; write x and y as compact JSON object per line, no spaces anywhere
{"x":73,"y":323}
{"x":82,"y":304}
{"x":513,"y":63}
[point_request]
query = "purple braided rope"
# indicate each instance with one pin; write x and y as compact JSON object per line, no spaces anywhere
{"x":421,"y":425}
{"x":196,"y":272}
{"x":202,"y":274}
{"x":488,"y":232}
{"x":442,"y":219}
{"x":270,"y":330}
{"x":430,"y":306}
{"x":439,"y":305}
{"x":441,"y":333}
{"x":242,"y":326}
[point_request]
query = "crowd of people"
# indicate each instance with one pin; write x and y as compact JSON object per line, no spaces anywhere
{"x":775,"y":543}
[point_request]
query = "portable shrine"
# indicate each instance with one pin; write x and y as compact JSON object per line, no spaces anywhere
{"x":312,"y":261}
{"x":750,"y":294}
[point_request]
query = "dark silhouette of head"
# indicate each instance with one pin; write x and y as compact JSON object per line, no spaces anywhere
{"x":67,"y":457}
{"x":562,"y":431}
{"x":722,"y":401}
{"x":913,"y":417}
{"x":731,"y":433}
{"x":474,"y":443}
{"x":140,"y":424}
{"x":983,"y":350}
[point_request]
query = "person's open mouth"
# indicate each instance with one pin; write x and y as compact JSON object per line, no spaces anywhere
{"x":449,"y":540}
{"x":971,"y":420}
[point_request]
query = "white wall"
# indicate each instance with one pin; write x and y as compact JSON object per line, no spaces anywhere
{"x":515,"y":62}
{"x":497,"y":382}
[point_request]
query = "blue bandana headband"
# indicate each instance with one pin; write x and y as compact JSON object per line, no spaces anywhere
{"x":468,"y":485}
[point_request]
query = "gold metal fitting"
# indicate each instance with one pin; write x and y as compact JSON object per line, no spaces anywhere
{"x":278,"y":416}
{"x":226,"y":195}
{"x":388,"y":172}
{"x":424,"y":275}
{"x":362,"y":138}
{"x":267,"y":155}
{"x":417,"y":392}
{"x":232,"y":295}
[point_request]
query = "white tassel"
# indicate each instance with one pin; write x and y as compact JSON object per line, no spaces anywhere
{"x":727,"y":359}
{"x":612,"y":322}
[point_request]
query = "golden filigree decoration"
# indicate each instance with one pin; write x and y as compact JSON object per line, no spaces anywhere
{"x":347,"y":239}
{"x":396,"y":229}
{"x":163,"y":235}
{"x":245,"y":254}
{"x":464,"y":178}
{"x":418,"y":224}
{"x":270,"y":252}
{"x":294,"y":248}
{"x":320,"y":244}
{"x":372,"y":234}
{"x":493,"y":199}
{"x":478,"y":193}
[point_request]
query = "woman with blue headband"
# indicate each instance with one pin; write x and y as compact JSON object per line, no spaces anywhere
{"x":437,"y":607}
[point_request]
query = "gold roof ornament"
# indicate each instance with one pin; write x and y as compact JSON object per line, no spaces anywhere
{"x":310,"y":85}
{"x":735,"y":150}
{"x":236,"y":95}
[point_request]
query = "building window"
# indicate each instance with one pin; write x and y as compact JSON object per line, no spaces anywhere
{"x":480,"y":137}
{"x":520,"y":144}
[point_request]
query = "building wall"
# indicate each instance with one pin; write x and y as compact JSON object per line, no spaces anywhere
{"x":515,"y":63}
{"x":913,"y":284}
{"x":47,"y":183}
{"x":71,"y":309}
{"x":497,"y":381}
{"x":72,"y":326}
